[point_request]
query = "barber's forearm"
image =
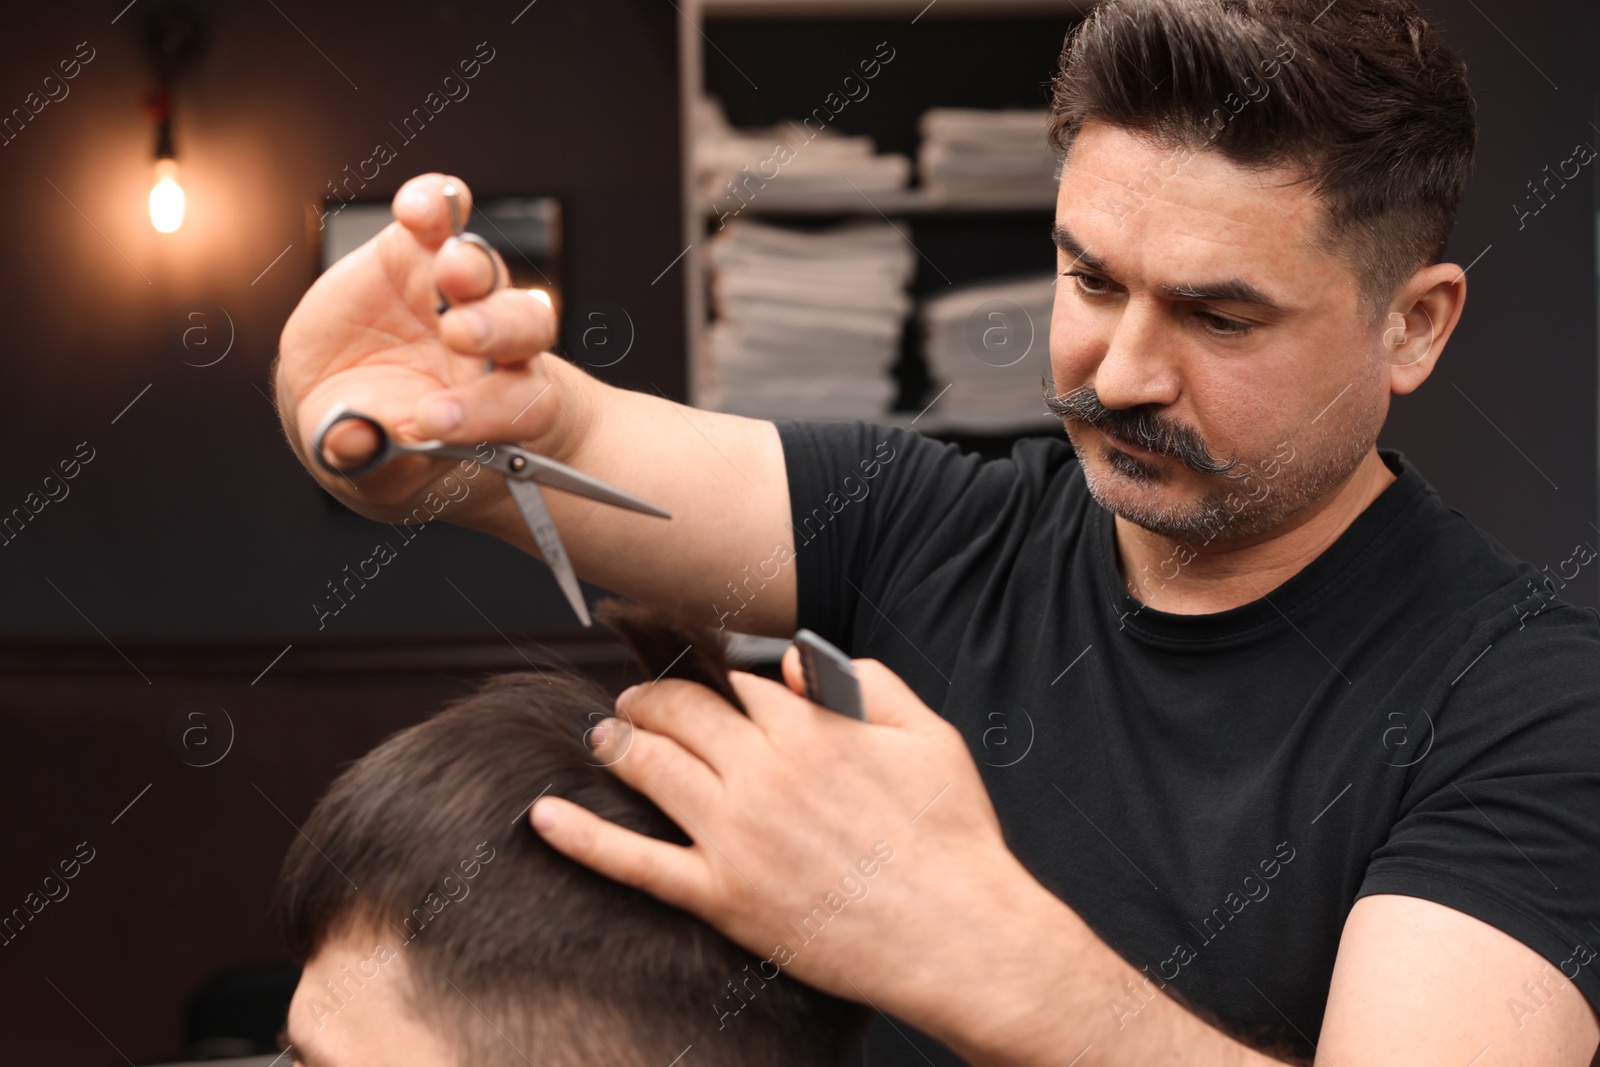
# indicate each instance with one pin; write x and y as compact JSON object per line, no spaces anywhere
{"x":727,"y":551}
{"x":1039,"y":987}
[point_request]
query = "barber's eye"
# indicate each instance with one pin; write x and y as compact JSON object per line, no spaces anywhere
{"x":1088,"y":284}
{"x":1219,"y":325}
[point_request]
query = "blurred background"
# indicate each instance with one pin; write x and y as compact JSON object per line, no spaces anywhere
{"x":828,"y":209}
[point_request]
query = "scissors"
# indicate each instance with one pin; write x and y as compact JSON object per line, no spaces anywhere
{"x":522,"y":470}
{"x":452,"y":198}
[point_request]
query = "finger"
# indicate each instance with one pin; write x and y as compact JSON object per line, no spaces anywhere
{"x":349,"y":444}
{"x":794,"y":676}
{"x":689,"y":714}
{"x":680,"y":783}
{"x":768,"y":703}
{"x":673,"y":873}
{"x":888,"y":699}
{"x":420,"y":207}
{"x":515,"y":403}
{"x":508,"y":325}
{"x":466,"y":270}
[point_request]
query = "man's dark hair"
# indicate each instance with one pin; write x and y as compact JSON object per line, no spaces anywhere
{"x":1362,"y":97}
{"x":514,"y":952}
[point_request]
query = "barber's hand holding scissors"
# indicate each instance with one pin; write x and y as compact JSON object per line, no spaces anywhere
{"x":370,"y":334}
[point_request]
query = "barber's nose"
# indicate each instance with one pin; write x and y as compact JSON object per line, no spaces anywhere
{"x":1138,"y":366}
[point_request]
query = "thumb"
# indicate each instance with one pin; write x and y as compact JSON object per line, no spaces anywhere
{"x":420,"y":206}
{"x":794,"y":676}
{"x":888,"y":699}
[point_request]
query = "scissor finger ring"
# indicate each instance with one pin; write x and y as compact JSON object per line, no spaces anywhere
{"x":452,"y":197}
{"x":338,"y":414}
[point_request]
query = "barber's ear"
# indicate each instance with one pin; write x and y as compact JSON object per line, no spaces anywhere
{"x":1395,"y":335}
{"x":1426,"y":311}
{"x":669,"y":644}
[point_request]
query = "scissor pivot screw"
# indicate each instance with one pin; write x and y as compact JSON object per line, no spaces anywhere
{"x":517,"y":463}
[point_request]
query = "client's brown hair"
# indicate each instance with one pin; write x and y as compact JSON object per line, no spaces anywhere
{"x":515,"y":953}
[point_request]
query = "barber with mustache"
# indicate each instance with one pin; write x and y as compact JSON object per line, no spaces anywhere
{"x":1208,"y":734}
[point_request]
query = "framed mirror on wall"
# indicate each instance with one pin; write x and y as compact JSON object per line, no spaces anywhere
{"x":525,"y":230}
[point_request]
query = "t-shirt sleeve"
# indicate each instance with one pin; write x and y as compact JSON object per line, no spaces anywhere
{"x":1502,"y":818}
{"x":875,"y":508}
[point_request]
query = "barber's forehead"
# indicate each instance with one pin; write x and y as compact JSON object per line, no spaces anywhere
{"x":1125,"y":197}
{"x":1128,"y":175}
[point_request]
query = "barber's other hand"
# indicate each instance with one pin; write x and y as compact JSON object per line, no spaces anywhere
{"x":783,"y":808}
{"x":367,"y":334}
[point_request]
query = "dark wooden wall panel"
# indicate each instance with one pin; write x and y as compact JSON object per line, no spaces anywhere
{"x":186,"y":850}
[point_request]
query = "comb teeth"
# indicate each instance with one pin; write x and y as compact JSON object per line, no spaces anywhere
{"x":668,"y":644}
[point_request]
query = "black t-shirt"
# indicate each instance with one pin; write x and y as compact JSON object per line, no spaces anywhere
{"x":1415,"y":712}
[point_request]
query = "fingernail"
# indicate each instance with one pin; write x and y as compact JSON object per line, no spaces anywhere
{"x":443,"y":414}
{"x":416,"y":200}
{"x":599,"y":734}
{"x":477,"y":324}
{"x":625,"y":697}
{"x":544,"y":817}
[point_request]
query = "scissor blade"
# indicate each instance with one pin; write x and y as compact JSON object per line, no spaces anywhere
{"x":438,"y":449}
{"x":534,"y":512}
{"x":560,"y":476}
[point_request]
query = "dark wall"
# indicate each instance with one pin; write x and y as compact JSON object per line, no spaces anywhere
{"x":193,"y":519}
{"x":184,"y":795}
{"x":1505,"y":427}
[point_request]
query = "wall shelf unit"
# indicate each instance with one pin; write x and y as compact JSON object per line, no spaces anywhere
{"x":767,"y":61}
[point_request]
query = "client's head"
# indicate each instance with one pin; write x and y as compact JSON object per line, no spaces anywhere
{"x":436,"y":927}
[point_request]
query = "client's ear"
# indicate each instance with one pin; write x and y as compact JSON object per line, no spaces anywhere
{"x":667,"y":643}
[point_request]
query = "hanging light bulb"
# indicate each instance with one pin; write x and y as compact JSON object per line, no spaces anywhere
{"x":166,"y":197}
{"x":173,"y":36}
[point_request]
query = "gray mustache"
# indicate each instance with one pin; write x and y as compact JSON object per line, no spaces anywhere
{"x":1138,"y":426}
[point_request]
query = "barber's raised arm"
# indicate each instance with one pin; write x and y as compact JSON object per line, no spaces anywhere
{"x":367,"y":334}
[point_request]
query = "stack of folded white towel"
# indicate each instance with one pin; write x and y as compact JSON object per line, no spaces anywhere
{"x":808,"y":323}
{"x":988,"y":157}
{"x":990,"y":344}
{"x":794,"y":164}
